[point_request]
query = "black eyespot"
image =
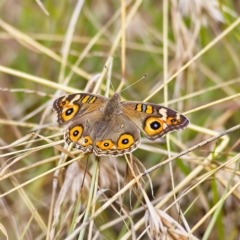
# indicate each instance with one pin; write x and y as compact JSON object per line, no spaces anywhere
{"x":173,"y":120}
{"x":125,"y":141}
{"x":75,"y":133}
{"x":106,"y":144}
{"x":63,"y":102}
{"x":155,"y":125}
{"x":85,"y":140}
{"x":69,"y":111}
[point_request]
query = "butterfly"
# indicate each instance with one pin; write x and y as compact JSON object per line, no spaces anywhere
{"x":111,"y":127}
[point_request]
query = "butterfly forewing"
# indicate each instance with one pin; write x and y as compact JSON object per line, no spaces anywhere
{"x":154,"y":120}
{"x":71,"y":106}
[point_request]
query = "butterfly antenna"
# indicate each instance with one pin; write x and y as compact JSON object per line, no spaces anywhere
{"x":145,"y":75}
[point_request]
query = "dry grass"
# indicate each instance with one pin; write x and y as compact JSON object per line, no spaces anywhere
{"x":185,"y":186}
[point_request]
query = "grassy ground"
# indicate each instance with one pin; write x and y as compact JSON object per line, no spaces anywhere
{"x":190,"y":53}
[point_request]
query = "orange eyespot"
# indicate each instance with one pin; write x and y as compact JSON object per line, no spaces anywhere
{"x":154,"y":125}
{"x":171,"y":121}
{"x":63,"y":103}
{"x":105,"y":145}
{"x":125,"y":141}
{"x":86,"y":141}
{"x":75,"y":133}
{"x":69,"y":112}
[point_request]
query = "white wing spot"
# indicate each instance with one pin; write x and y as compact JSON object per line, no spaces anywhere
{"x":64,"y":98}
{"x":165,"y":126}
{"x":81,"y":141}
{"x":178,"y":116}
{"x":74,"y":99}
{"x":163,"y":112}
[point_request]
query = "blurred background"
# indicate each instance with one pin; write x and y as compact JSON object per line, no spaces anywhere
{"x":52,"y":48}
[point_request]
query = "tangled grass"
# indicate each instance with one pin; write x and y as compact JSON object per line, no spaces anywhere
{"x":185,"y":186}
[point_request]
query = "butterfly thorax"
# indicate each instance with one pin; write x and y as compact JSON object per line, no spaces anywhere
{"x":110,"y":119}
{"x":112,"y":107}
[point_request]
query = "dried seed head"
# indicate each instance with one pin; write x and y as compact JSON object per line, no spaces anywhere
{"x":108,"y":175}
{"x":206,"y":10}
{"x":161,"y":226}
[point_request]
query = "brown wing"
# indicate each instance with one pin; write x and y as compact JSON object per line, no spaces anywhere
{"x":115,"y":137}
{"x":74,"y":105}
{"x":154,"y":120}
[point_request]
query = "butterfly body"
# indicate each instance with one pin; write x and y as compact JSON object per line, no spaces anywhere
{"x":111,"y":127}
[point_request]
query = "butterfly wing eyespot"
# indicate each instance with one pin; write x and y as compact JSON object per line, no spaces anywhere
{"x":172,"y":121}
{"x":105,"y":145}
{"x":75,"y":133}
{"x":125,"y":141}
{"x":69,"y":112}
{"x":86,"y":141}
{"x":154,"y":125}
{"x":63,"y":103}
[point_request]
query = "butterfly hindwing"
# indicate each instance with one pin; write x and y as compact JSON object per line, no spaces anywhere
{"x":120,"y":137}
{"x":115,"y":137}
